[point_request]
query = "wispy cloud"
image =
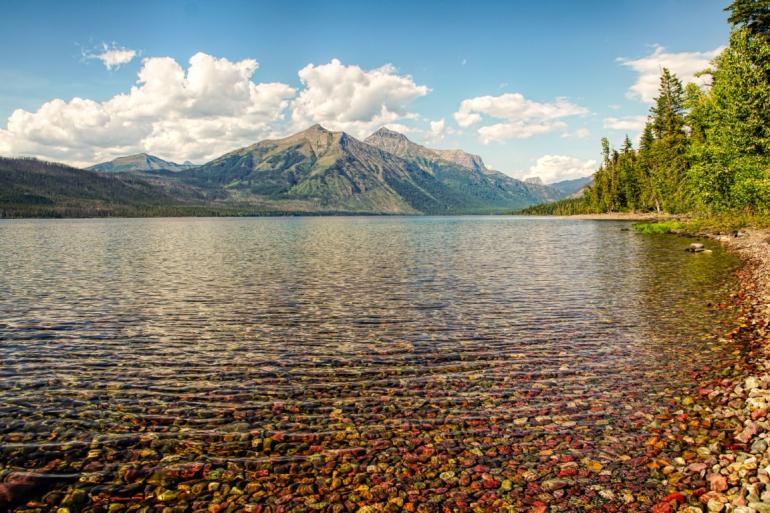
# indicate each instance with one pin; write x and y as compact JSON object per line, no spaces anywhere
{"x":111,"y":55}
{"x":580,"y":133}
{"x":629,"y":123}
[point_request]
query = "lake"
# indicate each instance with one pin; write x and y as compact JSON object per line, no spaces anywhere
{"x":331,"y":364}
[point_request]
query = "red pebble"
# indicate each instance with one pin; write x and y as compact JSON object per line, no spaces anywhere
{"x":489,"y":482}
{"x":675,"y":496}
{"x":662,"y":507}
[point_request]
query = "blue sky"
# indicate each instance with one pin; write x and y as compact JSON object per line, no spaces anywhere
{"x":540,"y":79}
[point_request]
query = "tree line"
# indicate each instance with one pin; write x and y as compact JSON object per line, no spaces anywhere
{"x":700,"y":151}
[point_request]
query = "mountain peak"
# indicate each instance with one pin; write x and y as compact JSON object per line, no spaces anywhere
{"x":395,"y":142}
{"x":465,"y":159}
{"x":139,"y":162}
{"x":401,"y":145}
{"x":387,"y":132}
{"x":316,"y":128}
{"x":134,"y":156}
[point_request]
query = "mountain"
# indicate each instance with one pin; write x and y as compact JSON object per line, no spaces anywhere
{"x":464,"y":159}
{"x":140,"y":162}
{"x":487,"y":190}
{"x":323,"y":171}
{"x":570,"y":188}
{"x":399,"y":144}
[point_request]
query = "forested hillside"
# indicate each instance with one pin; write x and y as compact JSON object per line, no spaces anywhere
{"x":35,"y":188}
{"x":701,"y":151}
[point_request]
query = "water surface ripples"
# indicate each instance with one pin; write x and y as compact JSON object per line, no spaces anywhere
{"x":330,"y":363}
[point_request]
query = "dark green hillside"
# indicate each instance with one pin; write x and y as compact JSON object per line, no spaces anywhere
{"x":34,"y":188}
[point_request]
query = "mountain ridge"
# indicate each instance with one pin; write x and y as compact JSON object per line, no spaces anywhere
{"x":140,"y":162}
{"x":384,"y":173}
{"x":314,"y":171}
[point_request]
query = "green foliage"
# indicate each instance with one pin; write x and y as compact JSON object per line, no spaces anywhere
{"x":706,"y":152}
{"x":659,"y":228}
{"x":728,"y":222}
{"x":564,"y":207}
{"x":731,"y":161}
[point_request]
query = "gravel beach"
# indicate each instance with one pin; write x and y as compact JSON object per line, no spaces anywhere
{"x":723,"y":434}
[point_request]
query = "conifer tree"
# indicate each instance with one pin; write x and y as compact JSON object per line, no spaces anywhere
{"x":753,"y":15}
{"x":668,"y":163}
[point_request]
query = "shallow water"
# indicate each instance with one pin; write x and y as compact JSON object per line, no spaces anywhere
{"x":329,"y":363}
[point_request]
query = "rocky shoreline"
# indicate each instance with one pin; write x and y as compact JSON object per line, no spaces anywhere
{"x":712,"y":453}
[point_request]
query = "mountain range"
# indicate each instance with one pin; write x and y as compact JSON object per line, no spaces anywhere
{"x":140,"y":162}
{"x":313,"y":171}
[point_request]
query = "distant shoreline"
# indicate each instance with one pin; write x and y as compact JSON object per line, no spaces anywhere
{"x":175,"y":211}
{"x":624,"y":216}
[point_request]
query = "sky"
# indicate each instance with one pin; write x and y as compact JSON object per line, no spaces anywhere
{"x":530,"y":86}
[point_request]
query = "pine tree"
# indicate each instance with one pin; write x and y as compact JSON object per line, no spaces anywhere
{"x":668,"y":152}
{"x":627,"y":175}
{"x":753,"y":15}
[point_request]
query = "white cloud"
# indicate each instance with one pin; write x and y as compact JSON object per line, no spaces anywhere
{"x":437,"y":129}
{"x":684,"y":64}
{"x":580,"y":133}
{"x":554,"y":168}
{"x":352,"y":99}
{"x":194,"y":114}
{"x":628,"y":123}
{"x":111,"y":55}
{"x":522,"y":118}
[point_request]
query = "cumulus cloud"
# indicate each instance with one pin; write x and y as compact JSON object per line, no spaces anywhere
{"x":437,"y":128}
{"x":352,"y":99}
{"x":521,"y":118}
{"x":554,"y":168}
{"x":627,"y":123}
{"x":648,"y":69}
{"x":111,"y":55}
{"x":193,"y":114}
